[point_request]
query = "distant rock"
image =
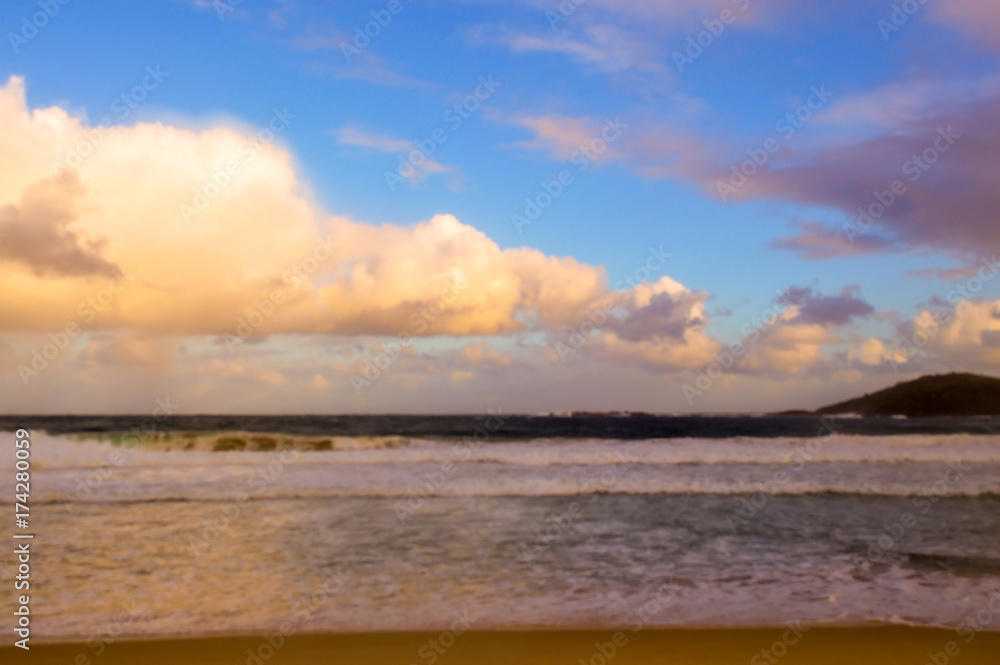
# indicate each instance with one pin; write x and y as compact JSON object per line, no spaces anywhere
{"x":938,"y":395}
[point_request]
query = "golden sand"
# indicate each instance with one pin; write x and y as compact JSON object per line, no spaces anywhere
{"x":881,"y":645}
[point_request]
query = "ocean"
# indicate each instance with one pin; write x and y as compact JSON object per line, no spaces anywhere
{"x":210,"y":525}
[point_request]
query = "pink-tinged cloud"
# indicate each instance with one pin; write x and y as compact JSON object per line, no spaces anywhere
{"x":979,"y":18}
{"x":940,"y":157}
{"x":943,"y":170}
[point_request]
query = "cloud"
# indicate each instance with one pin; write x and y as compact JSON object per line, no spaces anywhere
{"x":370,"y":68}
{"x":353,"y":135}
{"x":947,"y":274}
{"x":816,"y":240}
{"x":37,"y":233}
{"x":659,"y":327}
{"x":963,"y":337}
{"x":614,"y":37}
{"x":935,"y":137}
{"x":481,"y":354}
{"x":654,"y":151}
{"x":786,"y":348}
{"x":794,"y":339}
{"x":190,"y":275}
{"x":354,"y":64}
{"x":827,"y":310}
{"x":444,"y":277}
{"x":128,"y":349}
{"x":272,"y":378}
{"x":979,"y":18}
{"x":942,"y":162}
{"x":942,"y":151}
{"x":600,"y":48}
{"x":258,"y":256}
{"x":666,"y":314}
{"x":794,"y":335}
{"x":874,"y":352}
{"x":565,"y":137}
{"x":990,"y":338}
{"x":643,"y":10}
{"x":224,"y":368}
{"x":304,"y":30}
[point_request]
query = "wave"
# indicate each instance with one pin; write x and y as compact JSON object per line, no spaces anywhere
{"x":536,"y":489}
{"x":250,"y":448}
{"x":85,"y":471}
{"x":958,"y":563}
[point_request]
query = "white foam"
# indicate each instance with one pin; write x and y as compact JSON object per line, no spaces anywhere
{"x":85,"y":471}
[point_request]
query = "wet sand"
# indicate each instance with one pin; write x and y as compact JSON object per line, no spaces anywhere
{"x":878,"y":645}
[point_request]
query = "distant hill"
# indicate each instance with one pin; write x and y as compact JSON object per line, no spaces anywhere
{"x":928,"y":396}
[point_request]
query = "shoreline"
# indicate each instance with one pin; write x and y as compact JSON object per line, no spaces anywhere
{"x":816,"y":645}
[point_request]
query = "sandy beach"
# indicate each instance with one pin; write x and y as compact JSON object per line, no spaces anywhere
{"x":880,"y":645}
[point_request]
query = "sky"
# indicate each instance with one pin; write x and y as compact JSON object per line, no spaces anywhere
{"x":534,"y":206}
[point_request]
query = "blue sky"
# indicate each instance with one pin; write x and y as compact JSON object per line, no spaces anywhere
{"x":229,"y":65}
